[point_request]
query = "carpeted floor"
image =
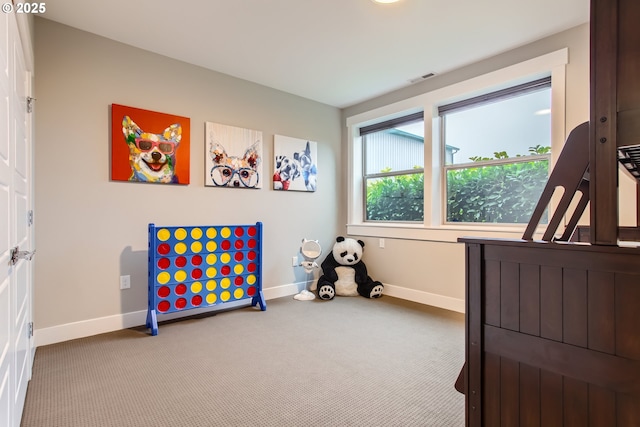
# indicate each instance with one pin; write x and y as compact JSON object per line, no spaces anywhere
{"x":347,"y":362}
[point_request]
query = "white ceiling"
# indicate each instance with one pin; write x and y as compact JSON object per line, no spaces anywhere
{"x":338,"y":52}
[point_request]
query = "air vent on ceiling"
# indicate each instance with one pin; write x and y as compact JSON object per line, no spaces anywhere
{"x":421,"y":78}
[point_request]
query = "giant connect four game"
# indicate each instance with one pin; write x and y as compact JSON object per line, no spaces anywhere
{"x":197,"y":267}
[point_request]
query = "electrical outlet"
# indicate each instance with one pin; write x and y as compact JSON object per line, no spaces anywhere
{"x":381,"y":243}
{"x":125,"y":282}
{"x":294,"y":261}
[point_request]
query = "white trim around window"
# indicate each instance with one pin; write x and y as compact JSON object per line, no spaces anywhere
{"x":432,"y":229}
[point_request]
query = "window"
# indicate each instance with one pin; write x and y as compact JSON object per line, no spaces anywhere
{"x":497,"y":150}
{"x":380,"y":144}
{"x":394,"y":169}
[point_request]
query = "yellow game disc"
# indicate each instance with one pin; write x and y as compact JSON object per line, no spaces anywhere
{"x":238,"y":293}
{"x":163,"y":278}
{"x":196,"y":247}
{"x":211,"y":272}
{"x":225,"y":296}
{"x":180,"y":248}
{"x":225,"y":232}
{"x":211,"y":285}
{"x":225,"y":283}
{"x":251,"y":279}
{"x":211,"y":246}
{"x":163,"y":234}
{"x":211,"y":232}
{"x":225,"y":258}
{"x":211,"y":298}
{"x":180,"y":234}
{"x":238,"y":269}
{"x":196,"y":287}
{"x":180,"y":276}
{"x":196,"y":233}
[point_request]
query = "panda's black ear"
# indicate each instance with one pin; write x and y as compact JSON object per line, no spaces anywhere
{"x":361,"y":243}
{"x":339,"y":239}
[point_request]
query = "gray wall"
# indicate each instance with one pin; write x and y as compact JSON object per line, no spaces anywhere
{"x":90,"y":230}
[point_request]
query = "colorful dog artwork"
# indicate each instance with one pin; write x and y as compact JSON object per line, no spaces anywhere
{"x":234,"y":156}
{"x":295,"y":164}
{"x":153,"y":147}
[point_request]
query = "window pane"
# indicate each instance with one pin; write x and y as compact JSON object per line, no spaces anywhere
{"x":396,"y":149}
{"x":511,"y":125}
{"x":395,"y":198}
{"x":506,"y":193}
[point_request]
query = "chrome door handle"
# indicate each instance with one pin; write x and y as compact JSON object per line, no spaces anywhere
{"x":17,"y":254}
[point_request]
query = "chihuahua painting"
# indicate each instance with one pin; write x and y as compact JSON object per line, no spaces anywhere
{"x":235,"y":171}
{"x":152,"y":157}
{"x":234,"y":156}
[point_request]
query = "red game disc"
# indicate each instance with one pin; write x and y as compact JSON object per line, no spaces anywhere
{"x":196,"y":260}
{"x":181,"y":261}
{"x":239,"y":244}
{"x":251,"y":291}
{"x":164,"y":249}
{"x":239,"y":256}
{"x":181,"y":303}
{"x":251,"y":268}
{"x":164,"y":306}
{"x":239,"y":232}
{"x":225,"y":245}
{"x":252,"y":231}
{"x":163,"y":263}
{"x":181,"y":289}
{"x":196,"y":300}
{"x":252,"y":243}
{"x":238,"y":281}
{"x":196,"y":273}
{"x":225,"y":270}
{"x":164,"y":291}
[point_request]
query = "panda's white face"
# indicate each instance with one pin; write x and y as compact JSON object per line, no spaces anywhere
{"x":347,"y":252}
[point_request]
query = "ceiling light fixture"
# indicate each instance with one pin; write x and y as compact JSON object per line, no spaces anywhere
{"x":385,"y":1}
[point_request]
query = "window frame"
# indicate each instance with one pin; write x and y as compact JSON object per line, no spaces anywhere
{"x":378,"y":127}
{"x":433,"y":227}
{"x":491,"y":97}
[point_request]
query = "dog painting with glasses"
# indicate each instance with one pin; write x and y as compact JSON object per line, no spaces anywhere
{"x":152,"y":156}
{"x":152,"y":144}
{"x":234,"y":156}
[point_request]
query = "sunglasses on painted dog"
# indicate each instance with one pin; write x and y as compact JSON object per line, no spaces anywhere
{"x":165,"y":147}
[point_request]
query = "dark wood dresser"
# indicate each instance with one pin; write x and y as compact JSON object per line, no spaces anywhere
{"x":553,"y":326}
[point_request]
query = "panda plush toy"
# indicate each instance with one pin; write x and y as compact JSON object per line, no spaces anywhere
{"x":345,"y":274}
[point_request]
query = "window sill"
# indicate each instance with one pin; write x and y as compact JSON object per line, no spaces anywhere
{"x":444,"y":233}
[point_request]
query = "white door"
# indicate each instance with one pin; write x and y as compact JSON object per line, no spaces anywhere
{"x":16,"y":352}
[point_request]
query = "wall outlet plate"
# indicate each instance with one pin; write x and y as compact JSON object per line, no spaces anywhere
{"x":125,"y":282}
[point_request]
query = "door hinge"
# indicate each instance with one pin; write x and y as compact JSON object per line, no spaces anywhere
{"x":30,"y":102}
{"x":29,"y":329}
{"x":30,"y":217}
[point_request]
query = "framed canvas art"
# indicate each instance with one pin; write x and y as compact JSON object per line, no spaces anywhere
{"x":296,"y":167}
{"x":233,"y":156}
{"x":147,"y":146}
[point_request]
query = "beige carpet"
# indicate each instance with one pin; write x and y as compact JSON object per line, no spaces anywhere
{"x":347,"y":362}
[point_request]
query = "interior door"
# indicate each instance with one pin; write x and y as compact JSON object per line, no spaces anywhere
{"x":16,"y":353}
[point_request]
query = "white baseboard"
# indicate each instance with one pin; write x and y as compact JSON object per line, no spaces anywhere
{"x":101,"y":325}
{"x":435,"y":300}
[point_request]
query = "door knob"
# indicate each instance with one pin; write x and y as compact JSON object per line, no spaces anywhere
{"x":17,"y":254}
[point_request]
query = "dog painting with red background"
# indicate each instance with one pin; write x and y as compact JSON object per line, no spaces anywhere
{"x":154,"y":145}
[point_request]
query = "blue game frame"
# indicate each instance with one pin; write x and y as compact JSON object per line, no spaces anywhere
{"x":203,"y":266}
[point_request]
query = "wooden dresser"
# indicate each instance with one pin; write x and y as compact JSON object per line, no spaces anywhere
{"x":553,"y":327}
